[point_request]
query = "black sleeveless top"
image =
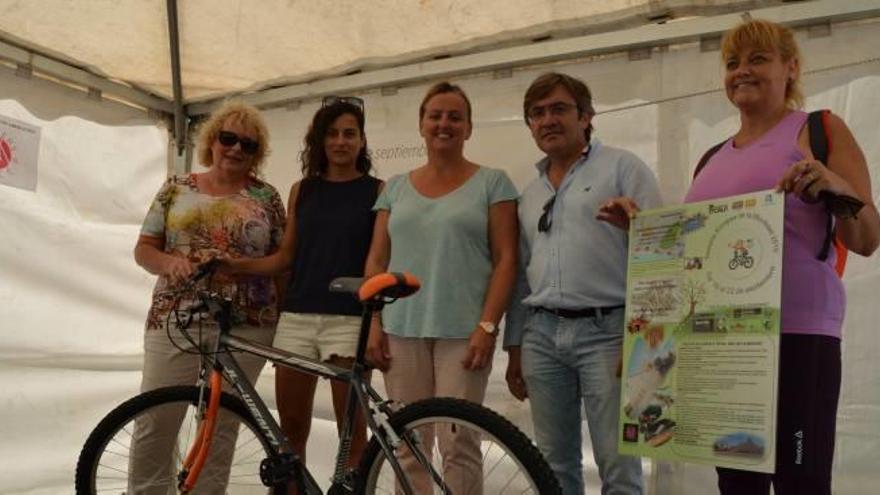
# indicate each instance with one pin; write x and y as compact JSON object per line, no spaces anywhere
{"x":334,"y":227}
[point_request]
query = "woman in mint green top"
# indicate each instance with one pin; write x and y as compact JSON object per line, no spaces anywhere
{"x":453,"y":224}
{"x":444,"y":242}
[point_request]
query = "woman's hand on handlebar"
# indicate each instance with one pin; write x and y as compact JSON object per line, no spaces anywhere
{"x":377,"y":353}
{"x":194,"y":271}
{"x":177,"y":269}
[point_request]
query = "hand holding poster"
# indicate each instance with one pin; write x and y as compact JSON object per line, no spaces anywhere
{"x":701,"y":343}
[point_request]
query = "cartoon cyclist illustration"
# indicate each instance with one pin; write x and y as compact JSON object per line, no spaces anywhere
{"x":741,"y":254}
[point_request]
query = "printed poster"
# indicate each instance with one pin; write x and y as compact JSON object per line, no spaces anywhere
{"x":19,"y":148}
{"x":701,"y":344}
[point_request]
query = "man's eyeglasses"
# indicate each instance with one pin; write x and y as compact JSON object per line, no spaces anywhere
{"x":546,"y":219}
{"x":557,"y":109}
{"x":248,"y":145}
{"x":351,"y":100}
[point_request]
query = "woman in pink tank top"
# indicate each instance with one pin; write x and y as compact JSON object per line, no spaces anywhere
{"x":771,"y":149}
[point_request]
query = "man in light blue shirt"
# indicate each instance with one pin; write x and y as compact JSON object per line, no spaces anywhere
{"x":565,"y":325}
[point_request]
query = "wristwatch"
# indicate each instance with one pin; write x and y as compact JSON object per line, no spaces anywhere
{"x":489,"y":327}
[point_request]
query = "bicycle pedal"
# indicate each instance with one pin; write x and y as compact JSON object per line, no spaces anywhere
{"x":278,"y":469}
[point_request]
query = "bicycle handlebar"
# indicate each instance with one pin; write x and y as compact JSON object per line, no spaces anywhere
{"x":205,"y":269}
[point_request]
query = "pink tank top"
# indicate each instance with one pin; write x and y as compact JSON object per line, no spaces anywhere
{"x":813,"y":299}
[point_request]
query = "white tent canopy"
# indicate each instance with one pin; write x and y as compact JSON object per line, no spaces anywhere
{"x":232,"y":46}
{"x":95,"y":78}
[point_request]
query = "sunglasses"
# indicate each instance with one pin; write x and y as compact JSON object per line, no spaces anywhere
{"x":841,"y":205}
{"x":248,"y":145}
{"x":351,"y":100}
{"x":546,"y":220}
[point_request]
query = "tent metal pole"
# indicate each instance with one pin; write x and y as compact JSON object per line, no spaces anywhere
{"x":180,"y":118}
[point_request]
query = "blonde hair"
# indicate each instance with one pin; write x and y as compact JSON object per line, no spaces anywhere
{"x":244,"y":115}
{"x":766,"y":35}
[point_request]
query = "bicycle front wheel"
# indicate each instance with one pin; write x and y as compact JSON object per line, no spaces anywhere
{"x":141,"y":445}
{"x":470,"y":449}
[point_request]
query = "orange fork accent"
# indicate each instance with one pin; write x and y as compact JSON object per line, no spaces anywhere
{"x":198,"y":454}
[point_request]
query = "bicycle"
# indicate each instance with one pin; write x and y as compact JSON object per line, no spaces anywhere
{"x":741,"y":259}
{"x":400,"y":456}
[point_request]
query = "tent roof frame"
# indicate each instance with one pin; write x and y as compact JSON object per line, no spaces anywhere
{"x":797,"y":14}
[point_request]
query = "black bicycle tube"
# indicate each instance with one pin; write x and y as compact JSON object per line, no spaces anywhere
{"x":364,"y":333}
{"x":238,"y":380}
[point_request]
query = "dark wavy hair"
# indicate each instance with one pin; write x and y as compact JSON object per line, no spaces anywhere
{"x":313,"y":157}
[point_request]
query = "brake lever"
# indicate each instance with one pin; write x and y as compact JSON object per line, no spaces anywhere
{"x":205,"y":269}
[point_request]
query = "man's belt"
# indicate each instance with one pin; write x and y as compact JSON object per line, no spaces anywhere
{"x":579,"y":313}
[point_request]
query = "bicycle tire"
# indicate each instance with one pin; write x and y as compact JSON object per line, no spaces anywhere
{"x":104,"y":461}
{"x":532,"y":473}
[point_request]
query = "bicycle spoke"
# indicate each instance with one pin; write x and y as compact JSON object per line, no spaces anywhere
{"x":465,"y":456}
{"x":130,"y":456}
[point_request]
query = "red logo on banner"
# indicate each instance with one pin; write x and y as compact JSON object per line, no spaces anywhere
{"x":5,"y":153}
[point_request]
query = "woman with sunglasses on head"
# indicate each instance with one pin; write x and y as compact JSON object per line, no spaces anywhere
{"x":224,"y":212}
{"x":772,"y":149}
{"x":328,"y":232}
{"x":452,"y":223}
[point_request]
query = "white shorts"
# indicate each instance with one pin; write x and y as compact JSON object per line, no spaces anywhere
{"x":318,"y":336}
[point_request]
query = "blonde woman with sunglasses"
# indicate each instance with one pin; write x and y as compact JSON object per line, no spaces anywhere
{"x":224,"y":212}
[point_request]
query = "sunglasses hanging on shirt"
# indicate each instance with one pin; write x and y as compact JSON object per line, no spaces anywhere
{"x":546,"y":220}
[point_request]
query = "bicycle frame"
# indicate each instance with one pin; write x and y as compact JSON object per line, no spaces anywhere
{"x":286,"y":464}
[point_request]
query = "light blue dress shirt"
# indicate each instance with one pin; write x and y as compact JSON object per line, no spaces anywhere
{"x":580,"y":262}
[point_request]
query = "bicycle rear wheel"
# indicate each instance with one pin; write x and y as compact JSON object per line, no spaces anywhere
{"x":128,"y":453}
{"x":484,"y":453}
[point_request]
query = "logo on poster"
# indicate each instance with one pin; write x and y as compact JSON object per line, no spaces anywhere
{"x":736,"y":252}
{"x":6,"y":152}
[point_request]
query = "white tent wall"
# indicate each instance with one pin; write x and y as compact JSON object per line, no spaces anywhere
{"x":72,"y":301}
{"x":670,"y":110}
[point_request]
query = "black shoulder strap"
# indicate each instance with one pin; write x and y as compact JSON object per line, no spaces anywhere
{"x":706,"y":156}
{"x":818,"y":139}
{"x":819,"y":148}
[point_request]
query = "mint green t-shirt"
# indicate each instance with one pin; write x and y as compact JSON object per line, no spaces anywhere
{"x":445,"y":243}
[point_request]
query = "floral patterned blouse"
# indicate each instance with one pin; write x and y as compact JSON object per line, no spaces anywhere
{"x":198,"y":226}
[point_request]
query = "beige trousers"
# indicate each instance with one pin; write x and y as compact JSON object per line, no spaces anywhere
{"x":423,"y":368}
{"x":154,"y":450}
